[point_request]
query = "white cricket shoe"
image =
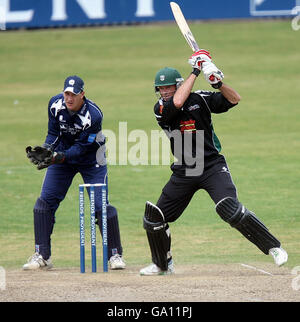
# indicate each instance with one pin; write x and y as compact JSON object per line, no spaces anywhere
{"x":153,"y":269}
{"x":279,"y":254}
{"x":36,"y":261}
{"x":117,"y":262}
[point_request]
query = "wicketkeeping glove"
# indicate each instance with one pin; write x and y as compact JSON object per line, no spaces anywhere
{"x":43,"y":156}
{"x":212,"y":74}
{"x":38,"y":153}
{"x":54,"y":158}
{"x":198,"y":58}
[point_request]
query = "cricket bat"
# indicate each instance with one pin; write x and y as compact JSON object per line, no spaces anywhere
{"x":185,"y":29}
{"x":183,"y":26}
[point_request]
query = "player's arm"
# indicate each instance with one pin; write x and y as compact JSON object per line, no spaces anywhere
{"x":214,"y":77}
{"x":45,"y":155}
{"x":184,"y":91}
{"x":230,"y":94}
{"x":201,"y":60}
{"x":53,"y":135}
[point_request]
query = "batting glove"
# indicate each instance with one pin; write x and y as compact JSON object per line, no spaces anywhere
{"x":212,"y":74}
{"x":198,"y":58}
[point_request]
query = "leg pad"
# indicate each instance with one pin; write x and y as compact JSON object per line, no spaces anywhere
{"x":43,"y":227}
{"x":246,"y":222}
{"x":113,"y":231}
{"x":158,"y":235}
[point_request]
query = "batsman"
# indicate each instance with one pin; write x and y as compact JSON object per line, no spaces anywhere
{"x":74,"y":144}
{"x":184,"y":114}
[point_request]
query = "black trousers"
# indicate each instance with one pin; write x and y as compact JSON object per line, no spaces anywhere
{"x":178,"y":192}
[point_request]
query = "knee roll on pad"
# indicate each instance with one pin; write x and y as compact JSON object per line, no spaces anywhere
{"x":158,"y":235}
{"x":43,"y":213}
{"x":111,"y":211}
{"x":245,"y":221}
{"x":42,"y":206}
{"x":154,"y":219}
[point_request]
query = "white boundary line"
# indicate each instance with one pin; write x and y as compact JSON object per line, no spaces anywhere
{"x":257,"y":269}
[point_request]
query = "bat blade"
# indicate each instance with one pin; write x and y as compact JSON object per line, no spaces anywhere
{"x":183,"y":26}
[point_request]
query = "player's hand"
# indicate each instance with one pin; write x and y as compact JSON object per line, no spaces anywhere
{"x":54,"y":158}
{"x":212,"y":74}
{"x":198,"y":58}
{"x":43,"y":156}
{"x":37,"y":154}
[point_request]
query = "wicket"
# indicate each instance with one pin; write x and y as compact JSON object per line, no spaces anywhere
{"x":92,"y":226}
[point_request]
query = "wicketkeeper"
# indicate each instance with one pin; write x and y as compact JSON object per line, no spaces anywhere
{"x":74,"y":144}
{"x":186,"y":118}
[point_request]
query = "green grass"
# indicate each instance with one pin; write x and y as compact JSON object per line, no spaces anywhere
{"x":260,"y":137}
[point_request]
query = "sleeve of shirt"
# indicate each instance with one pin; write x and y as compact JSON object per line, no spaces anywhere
{"x":86,"y":141}
{"x":215,"y":101}
{"x":53,"y":133}
{"x":165,"y":111}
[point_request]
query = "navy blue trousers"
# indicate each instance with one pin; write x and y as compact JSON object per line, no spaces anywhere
{"x":59,"y":178}
{"x":57,"y":181}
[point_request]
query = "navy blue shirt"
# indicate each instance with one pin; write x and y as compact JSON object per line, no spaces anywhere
{"x":77,"y":134}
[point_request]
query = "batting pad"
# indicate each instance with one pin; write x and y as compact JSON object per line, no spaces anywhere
{"x":158,"y":235}
{"x":246,"y":222}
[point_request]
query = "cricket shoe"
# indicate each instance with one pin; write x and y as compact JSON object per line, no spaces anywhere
{"x":153,"y":269}
{"x":279,"y":254}
{"x":36,"y":261}
{"x":117,"y":262}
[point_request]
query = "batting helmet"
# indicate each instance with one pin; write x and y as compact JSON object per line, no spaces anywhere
{"x":167,"y":76}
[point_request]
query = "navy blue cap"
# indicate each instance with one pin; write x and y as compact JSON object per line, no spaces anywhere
{"x":74,"y":84}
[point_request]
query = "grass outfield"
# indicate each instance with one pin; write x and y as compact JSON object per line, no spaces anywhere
{"x":260,"y":137}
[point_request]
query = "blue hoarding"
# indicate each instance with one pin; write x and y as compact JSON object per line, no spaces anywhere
{"x":55,"y":13}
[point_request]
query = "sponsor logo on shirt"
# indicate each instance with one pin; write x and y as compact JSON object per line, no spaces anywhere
{"x":193,"y":107}
{"x":188,"y":126}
